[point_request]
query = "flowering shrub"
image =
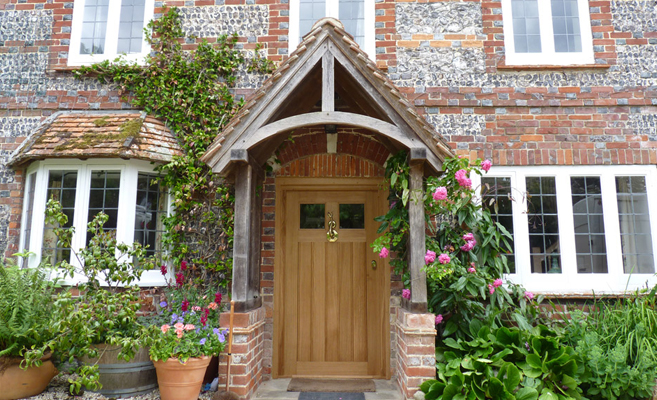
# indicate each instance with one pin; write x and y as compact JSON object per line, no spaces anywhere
{"x":188,"y":322}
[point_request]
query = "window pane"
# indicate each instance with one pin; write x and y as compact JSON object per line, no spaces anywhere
{"x":29,"y":209}
{"x":589,"y":225}
{"x":151,"y":208}
{"x":62,"y":188}
{"x":352,"y":15}
{"x":104,"y":196}
{"x":526,"y":26}
{"x":311,"y":216}
{"x":496,"y":197}
{"x":309,"y":12}
{"x":94,"y":25}
{"x":352,"y":216}
{"x":636,"y":238}
{"x":131,"y":26}
{"x":543,"y":225}
{"x":565,"y":23}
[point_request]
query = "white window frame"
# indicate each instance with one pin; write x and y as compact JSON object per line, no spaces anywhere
{"x":332,"y":10}
{"x":111,"y":35}
{"x":129,"y":169}
{"x":548,"y":56}
{"x":570,"y":282}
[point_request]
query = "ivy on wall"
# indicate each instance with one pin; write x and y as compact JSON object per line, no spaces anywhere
{"x":191,"y":92}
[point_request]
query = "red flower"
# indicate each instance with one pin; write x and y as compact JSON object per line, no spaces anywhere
{"x":183,"y":265}
{"x":185,"y":305}
{"x":217,"y":298}
{"x":180,"y":278}
{"x":206,"y":311}
{"x":204,"y":319}
{"x":163,"y":269}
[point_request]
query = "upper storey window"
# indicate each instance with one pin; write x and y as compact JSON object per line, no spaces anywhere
{"x":547,"y":32}
{"x":357,"y":16}
{"x":105,"y":29}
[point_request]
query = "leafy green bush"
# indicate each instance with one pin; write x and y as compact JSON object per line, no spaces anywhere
{"x":617,"y":341}
{"x":26,"y":300}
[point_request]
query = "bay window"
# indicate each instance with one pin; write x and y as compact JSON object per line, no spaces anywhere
{"x":577,"y":229}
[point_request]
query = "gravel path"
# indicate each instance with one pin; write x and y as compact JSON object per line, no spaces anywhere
{"x":58,"y":389}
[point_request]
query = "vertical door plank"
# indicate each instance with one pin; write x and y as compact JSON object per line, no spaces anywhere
{"x":360,"y":301}
{"x":291,"y":283}
{"x":346,"y":302}
{"x":332,"y":303}
{"x":318,"y":303}
{"x":304,"y":289}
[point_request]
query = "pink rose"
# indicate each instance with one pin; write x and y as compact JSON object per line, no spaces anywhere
{"x":497,"y":282}
{"x":491,"y":289}
{"x":406,"y":294}
{"x":384,"y":253}
{"x":460,"y":174}
{"x":444,"y":258}
{"x":486,"y":165}
{"x":429,"y":257}
{"x":468,"y":236}
{"x":469,"y":245}
{"x":439,"y":319}
{"x":529,"y":296}
{"x":440,"y":193}
{"x":466,"y":183}
{"x":472,"y":270}
{"x":165,"y":328}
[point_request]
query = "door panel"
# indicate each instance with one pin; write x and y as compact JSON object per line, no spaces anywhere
{"x":334,"y":302}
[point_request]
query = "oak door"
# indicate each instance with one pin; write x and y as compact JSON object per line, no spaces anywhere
{"x":334,"y":307}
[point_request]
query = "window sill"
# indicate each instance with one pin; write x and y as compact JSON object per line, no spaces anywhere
{"x":551,"y":67}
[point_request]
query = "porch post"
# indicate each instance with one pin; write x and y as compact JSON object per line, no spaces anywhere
{"x":246,"y":241}
{"x":417,"y":229}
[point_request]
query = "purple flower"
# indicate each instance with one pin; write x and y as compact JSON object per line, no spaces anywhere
{"x":406,"y":294}
{"x":429,"y":257}
{"x":202,"y":341}
{"x":174,"y":317}
{"x":163,"y":304}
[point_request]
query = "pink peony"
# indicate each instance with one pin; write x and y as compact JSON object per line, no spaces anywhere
{"x":529,"y":296}
{"x":491,"y":289}
{"x":440,"y":193}
{"x":165,"y":328}
{"x":486,"y":164}
{"x":429,"y":257}
{"x":444,"y":258}
{"x":439,"y":319}
{"x":384,"y":253}
{"x":497,"y":282}
{"x":468,"y":236}
{"x":406,"y":294}
{"x":472,"y":270}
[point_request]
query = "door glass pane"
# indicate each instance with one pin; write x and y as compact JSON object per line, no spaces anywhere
{"x":526,"y":27}
{"x":62,"y":188}
{"x":150,"y":209}
{"x":496,"y":197}
{"x":352,"y":216}
{"x":104,"y":196}
{"x":311,"y":216}
{"x":634,"y":218}
{"x":565,"y":23}
{"x":543,"y":225}
{"x":309,"y":12}
{"x":589,"y":224}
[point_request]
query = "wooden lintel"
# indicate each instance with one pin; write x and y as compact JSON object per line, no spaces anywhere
{"x":417,"y":154}
{"x":244,"y":157}
{"x":328,"y":83}
{"x":417,"y":229}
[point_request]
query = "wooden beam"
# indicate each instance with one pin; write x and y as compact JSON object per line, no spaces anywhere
{"x":328,"y":83}
{"x":246,"y":241}
{"x":416,"y":243}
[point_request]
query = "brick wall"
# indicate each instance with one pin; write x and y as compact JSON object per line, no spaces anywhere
{"x":416,"y":350}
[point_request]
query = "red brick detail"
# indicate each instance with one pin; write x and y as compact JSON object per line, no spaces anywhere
{"x":331,"y":166}
{"x":246,"y":370}
{"x":386,"y":34}
{"x":416,"y":349}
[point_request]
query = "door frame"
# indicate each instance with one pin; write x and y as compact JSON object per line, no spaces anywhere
{"x":285,"y":184}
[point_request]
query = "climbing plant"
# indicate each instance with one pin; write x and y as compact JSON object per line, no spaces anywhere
{"x":192,"y":92}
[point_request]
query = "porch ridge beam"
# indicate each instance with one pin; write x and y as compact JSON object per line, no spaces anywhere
{"x":328,"y":83}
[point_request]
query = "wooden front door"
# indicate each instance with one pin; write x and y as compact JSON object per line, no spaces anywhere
{"x":331,"y":304}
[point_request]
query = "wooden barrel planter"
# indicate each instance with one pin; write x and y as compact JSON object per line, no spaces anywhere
{"x":124,"y":379}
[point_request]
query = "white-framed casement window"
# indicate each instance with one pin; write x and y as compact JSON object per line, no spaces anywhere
{"x":125,"y":190}
{"x":579,"y":229}
{"x":547,"y":32}
{"x":357,"y":16}
{"x":105,"y":29}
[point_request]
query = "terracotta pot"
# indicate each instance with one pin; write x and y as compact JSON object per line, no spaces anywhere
{"x":17,"y":383}
{"x":180,"y":381}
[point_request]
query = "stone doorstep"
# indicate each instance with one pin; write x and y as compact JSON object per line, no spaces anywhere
{"x":276,"y":389}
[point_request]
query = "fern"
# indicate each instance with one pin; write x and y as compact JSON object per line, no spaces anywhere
{"x":25,"y":309}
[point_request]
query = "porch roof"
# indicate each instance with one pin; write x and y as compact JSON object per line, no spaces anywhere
{"x":327,"y":65}
{"x":85,"y":134}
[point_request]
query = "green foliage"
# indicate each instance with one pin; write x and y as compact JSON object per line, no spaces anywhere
{"x":25,"y":308}
{"x":618,"y":343}
{"x":505,"y":363}
{"x":105,"y":311}
{"x":191,"y":91}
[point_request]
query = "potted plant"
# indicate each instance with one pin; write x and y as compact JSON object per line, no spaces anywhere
{"x":101,"y":323}
{"x":185,"y":336}
{"x":25,"y":321}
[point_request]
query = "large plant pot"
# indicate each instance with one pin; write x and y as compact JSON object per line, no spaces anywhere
{"x":16,"y":383}
{"x":124,"y":379}
{"x":181,"y":381}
